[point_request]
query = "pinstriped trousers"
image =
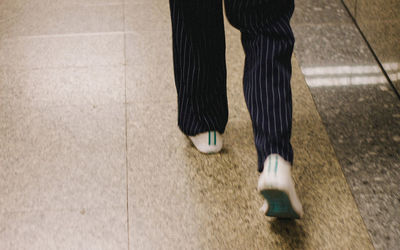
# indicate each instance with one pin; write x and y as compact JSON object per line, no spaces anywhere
{"x":200,"y":68}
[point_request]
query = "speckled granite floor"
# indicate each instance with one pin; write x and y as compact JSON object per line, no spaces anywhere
{"x":88,"y":159}
{"x":359,"y":108}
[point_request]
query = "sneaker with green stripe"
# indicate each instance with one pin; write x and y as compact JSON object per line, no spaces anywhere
{"x":276,"y":185}
{"x":208,"y":142}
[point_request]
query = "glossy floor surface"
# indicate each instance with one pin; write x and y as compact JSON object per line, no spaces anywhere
{"x":91,"y":156}
{"x":358,"y":106}
{"x":379,"y":21}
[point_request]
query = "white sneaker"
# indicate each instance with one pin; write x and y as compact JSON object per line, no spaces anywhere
{"x":276,"y":185}
{"x":207,"y":142}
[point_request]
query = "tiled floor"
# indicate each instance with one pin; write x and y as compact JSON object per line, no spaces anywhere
{"x":91,"y":156}
{"x":359,"y":108}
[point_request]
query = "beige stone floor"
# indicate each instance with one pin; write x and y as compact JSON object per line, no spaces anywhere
{"x":91,"y":157}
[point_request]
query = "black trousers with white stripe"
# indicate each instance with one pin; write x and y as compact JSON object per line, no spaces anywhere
{"x":200,"y":68}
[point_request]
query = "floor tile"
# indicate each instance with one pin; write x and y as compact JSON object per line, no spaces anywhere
{"x":67,"y":157}
{"x":143,"y":51}
{"x":88,"y":133}
{"x":97,"y":2}
{"x":149,"y":71}
{"x":385,"y":229}
{"x":62,"y":17}
{"x":154,"y":2}
{"x":361,"y":115}
{"x":318,"y":12}
{"x":147,"y":16}
{"x":172,"y":186}
{"x":75,"y":229}
{"x":337,"y":44}
{"x":63,"y":86}
{"x":235,"y":65}
{"x":364,"y":125}
{"x":62,"y":51}
{"x":150,"y":85}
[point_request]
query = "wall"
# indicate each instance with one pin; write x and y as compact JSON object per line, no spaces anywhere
{"x":379,"y":20}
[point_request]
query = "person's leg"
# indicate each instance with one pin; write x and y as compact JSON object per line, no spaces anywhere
{"x":268,"y":44}
{"x":199,"y":66}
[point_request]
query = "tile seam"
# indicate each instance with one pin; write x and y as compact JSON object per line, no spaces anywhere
{"x":126,"y":128}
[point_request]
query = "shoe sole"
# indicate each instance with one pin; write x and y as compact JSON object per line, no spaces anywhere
{"x":279,"y":204}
